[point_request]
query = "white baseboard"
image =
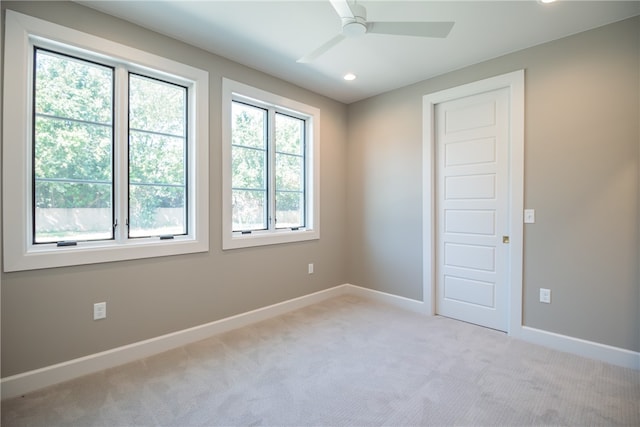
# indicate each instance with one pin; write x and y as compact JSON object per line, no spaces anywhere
{"x":17,"y":385}
{"x":593,"y":350}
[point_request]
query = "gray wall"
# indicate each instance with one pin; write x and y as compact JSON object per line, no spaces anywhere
{"x":47,"y":314}
{"x":582,"y":156}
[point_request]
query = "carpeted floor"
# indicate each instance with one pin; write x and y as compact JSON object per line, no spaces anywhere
{"x":345,"y":361}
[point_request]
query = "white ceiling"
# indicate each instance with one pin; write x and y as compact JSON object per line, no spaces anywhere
{"x":271,"y":35}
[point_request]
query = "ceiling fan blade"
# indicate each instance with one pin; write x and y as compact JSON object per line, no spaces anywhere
{"x":321,"y":50}
{"x":342,"y":8}
{"x":418,"y":29}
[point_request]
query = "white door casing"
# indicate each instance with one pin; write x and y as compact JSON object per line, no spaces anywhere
{"x":479,"y":276}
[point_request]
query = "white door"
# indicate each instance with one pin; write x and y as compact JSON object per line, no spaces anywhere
{"x":472,"y":208}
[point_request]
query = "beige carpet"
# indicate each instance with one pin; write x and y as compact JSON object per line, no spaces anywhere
{"x":345,"y":361}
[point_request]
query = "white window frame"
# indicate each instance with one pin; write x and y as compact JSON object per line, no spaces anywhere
{"x":236,"y":91}
{"x":21,"y":32}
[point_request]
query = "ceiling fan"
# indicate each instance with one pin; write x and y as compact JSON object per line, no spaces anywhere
{"x":354,"y":23}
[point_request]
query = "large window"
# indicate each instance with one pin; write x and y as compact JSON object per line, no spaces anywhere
{"x":106,"y":150}
{"x":270,"y":160}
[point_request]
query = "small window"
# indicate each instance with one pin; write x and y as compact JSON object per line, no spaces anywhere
{"x":111,"y":160}
{"x":270,"y":168}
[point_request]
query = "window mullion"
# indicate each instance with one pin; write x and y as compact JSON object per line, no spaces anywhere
{"x":271,"y":169}
{"x":121,"y":153}
{"x":307,"y":177}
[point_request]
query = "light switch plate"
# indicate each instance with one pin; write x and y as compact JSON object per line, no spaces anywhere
{"x":529,"y":216}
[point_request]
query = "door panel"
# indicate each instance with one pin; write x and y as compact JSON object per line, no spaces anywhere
{"x":470,"y":222}
{"x":465,"y":290}
{"x":470,"y":152}
{"x":479,"y":186}
{"x":472,"y":257}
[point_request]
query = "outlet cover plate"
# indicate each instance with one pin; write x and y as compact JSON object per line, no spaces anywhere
{"x":545,"y":295}
{"x":99,"y":310}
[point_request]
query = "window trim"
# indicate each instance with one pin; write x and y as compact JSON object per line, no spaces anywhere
{"x":19,"y":252}
{"x":233,"y":90}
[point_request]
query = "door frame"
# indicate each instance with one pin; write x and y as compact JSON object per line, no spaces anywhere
{"x":514,"y":81}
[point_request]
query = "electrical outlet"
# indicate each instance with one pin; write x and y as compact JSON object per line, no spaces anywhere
{"x":311,"y":268}
{"x":545,"y":295}
{"x":99,"y":310}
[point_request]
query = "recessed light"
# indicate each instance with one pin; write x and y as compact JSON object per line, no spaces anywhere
{"x":546,"y":1}
{"x":349,"y":76}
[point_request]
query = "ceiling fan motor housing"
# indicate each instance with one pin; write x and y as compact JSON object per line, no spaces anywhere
{"x":356,"y":26}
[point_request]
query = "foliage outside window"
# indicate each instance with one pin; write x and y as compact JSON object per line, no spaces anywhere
{"x":73,"y":152}
{"x":255,"y":207}
{"x":110,"y":163}
{"x":73,"y":147}
{"x":270,"y":160}
{"x":157,"y":158}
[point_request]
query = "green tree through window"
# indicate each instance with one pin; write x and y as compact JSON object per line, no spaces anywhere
{"x":290,"y":171}
{"x":249,"y":163}
{"x":157,"y":152}
{"x":73,"y":145}
{"x":73,"y":162}
{"x":268,"y":178}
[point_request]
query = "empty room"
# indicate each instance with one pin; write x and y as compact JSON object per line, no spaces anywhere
{"x":320,"y":212}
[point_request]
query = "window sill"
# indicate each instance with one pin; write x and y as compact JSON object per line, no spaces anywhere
{"x":237,"y":240}
{"x":50,"y":256}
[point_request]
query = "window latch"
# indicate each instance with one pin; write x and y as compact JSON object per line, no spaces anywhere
{"x":166,"y":237}
{"x":67,"y":243}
